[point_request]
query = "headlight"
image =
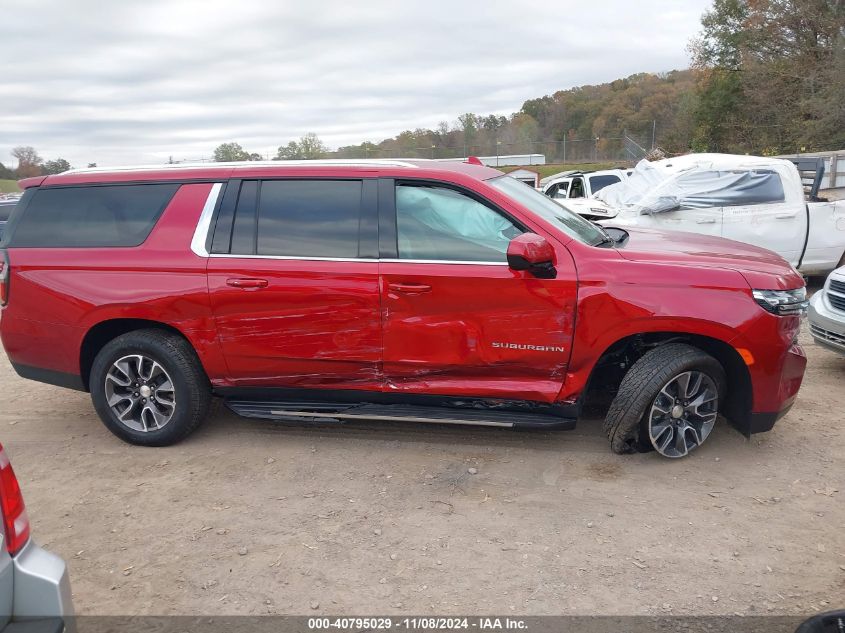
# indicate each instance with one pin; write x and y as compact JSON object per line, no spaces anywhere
{"x":782,"y":302}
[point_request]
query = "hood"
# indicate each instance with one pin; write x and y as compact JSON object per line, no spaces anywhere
{"x":760,"y":267}
{"x":588,"y":207}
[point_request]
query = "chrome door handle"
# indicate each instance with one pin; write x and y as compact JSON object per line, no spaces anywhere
{"x":705,"y":221}
{"x":411,"y":289}
{"x":247,"y":283}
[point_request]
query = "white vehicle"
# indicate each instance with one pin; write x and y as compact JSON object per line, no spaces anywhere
{"x":589,"y":208}
{"x":577,"y":184}
{"x":827,"y":313}
{"x":750,"y":199}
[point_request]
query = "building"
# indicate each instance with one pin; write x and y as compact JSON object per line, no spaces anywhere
{"x":508,"y":160}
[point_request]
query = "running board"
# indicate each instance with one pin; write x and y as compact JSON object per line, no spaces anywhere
{"x":338,"y":413}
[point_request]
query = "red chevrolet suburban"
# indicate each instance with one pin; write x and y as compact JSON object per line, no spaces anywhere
{"x":386,"y":290}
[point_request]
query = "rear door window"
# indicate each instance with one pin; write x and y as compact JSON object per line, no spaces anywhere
{"x":94,"y":216}
{"x":298,"y":218}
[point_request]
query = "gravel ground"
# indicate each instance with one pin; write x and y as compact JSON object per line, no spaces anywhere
{"x":249,"y":517}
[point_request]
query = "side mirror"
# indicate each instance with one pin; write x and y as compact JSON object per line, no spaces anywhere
{"x":533,"y":253}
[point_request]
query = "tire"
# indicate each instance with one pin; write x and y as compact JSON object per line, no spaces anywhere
{"x":178,"y":393}
{"x":629,"y":418}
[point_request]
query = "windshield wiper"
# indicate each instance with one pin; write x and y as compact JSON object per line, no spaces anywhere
{"x":605,"y":236}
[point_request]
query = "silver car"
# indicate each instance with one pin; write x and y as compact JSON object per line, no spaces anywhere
{"x":34,"y":585}
{"x":827,"y":313}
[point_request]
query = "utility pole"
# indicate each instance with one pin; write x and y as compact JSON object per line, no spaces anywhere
{"x":653,"y":130}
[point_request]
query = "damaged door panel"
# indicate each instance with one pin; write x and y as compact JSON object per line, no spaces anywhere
{"x":456,"y":319}
{"x":294,"y":304}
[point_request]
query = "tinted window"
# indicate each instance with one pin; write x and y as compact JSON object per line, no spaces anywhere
{"x":308,"y":218}
{"x":443,"y":224}
{"x":597,"y":183}
{"x":243,"y":233}
{"x":6,"y":209}
{"x":115,"y":215}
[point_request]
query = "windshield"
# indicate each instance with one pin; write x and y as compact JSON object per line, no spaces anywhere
{"x":573,"y":225}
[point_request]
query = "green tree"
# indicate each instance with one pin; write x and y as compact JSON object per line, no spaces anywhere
{"x":230,"y":153}
{"x":56,"y":166}
{"x":468,"y":123}
{"x":308,"y":147}
{"x":770,"y":75}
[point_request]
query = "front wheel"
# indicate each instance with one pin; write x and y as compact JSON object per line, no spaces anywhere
{"x":668,"y":401}
{"x":149,"y":388}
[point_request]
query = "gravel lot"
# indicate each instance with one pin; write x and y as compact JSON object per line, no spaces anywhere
{"x":248,"y":517}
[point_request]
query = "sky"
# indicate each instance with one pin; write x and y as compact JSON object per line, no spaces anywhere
{"x":126,"y":82}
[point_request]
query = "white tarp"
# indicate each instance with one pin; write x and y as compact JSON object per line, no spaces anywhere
{"x":654,"y":187}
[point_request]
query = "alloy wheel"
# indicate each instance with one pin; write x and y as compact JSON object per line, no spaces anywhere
{"x":140,"y":393}
{"x":683,"y":414}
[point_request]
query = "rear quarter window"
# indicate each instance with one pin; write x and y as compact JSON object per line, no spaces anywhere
{"x":94,"y":216}
{"x":597,"y":183}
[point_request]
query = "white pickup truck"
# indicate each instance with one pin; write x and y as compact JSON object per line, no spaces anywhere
{"x":578,"y":184}
{"x":757,"y":200}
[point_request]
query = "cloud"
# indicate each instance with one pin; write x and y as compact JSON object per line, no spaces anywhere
{"x":137,"y":81}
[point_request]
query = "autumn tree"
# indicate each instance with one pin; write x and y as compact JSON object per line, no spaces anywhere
{"x":29,"y":162}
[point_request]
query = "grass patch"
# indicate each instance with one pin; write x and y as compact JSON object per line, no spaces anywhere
{"x":9,"y":186}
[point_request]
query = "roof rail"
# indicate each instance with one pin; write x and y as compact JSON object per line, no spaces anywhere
{"x":375,"y":162}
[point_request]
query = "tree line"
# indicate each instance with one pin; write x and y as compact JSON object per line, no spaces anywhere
{"x":31,"y":164}
{"x":767,"y":77}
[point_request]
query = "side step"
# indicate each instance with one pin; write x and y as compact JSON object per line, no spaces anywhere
{"x":323,"y":412}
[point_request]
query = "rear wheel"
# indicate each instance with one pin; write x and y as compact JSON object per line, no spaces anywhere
{"x":668,"y":402}
{"x":148,"y":388}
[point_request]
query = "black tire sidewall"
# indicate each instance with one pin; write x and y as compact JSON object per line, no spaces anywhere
{"x":626,"y":421}
{"x":705,"y":364}
{"x":187,"y":392}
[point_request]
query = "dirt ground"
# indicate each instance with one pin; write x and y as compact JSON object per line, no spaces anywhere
{"x":249,"y":517}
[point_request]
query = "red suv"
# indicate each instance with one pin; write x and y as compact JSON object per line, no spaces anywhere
{"x":387,"y":290}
